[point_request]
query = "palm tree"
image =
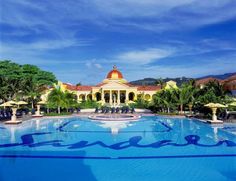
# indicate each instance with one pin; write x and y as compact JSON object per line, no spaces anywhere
{"x":164,"y":100}
{"x":56,"y":98}
{"x":183,"y":95}
{"x":160,"y":82}
{"x":70,"y":100}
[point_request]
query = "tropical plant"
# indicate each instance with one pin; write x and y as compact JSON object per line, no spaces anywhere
{"x":141,"y":102}
{"x":160,"y":82}
{"x":59,"y":99}
{"x":78,"y":84}
{"x":23,"y":81}
{"x":88,"y":104}
{"x":70,"y":100}
{"x":183,"y":95}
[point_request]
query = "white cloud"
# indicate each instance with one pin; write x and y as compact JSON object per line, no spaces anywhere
{"x":99,"y":66}
{"x":92,"y":64}
{"x":143,"y":56}
{"x":156,"y":15}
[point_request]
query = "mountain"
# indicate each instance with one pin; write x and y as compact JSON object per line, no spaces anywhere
{"x":145,"y":81}
{"x":152,"y":81}
{"x":179,"y":80}
{"x":222,"y":76}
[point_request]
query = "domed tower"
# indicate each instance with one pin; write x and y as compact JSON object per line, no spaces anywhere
{"x":115,"y":75}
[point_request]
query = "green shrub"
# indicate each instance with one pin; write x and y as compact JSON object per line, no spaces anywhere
{"x":88,"y":104}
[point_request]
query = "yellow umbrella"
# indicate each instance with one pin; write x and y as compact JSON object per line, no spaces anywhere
{"x":41,"y":102}
{"x":214,"y":107}
{"x":21,"y":103}
{"x":6,"y":104}
{"x":11,"y":102}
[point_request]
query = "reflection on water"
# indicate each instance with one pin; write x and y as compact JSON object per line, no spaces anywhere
{"x":115,"y":126}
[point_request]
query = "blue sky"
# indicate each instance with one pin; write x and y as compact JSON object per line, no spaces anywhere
{"x":80,"y":40}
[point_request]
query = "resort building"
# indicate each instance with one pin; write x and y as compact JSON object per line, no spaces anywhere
{"x":229,"y":84}
{"x":114,"y":90}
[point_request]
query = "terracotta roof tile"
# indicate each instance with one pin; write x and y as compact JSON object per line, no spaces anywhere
{"x":84,"y":88}
{"x":149,"y":88}
{"x":70,"y":87}
{"x":79,"y":88}
{"x":233,"y":77}
{"x":206,"y":80}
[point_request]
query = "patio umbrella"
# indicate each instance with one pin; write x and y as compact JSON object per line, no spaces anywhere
{"x":11,"y":102}
{"x":41,"y":102}
{"x":21,"y":103}
{"x":214,"y":107}
{"x":6,"y":104}
{"x":38,"y":107}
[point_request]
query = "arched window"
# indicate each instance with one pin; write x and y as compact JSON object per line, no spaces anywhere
{"x":98,"y":96}
{"x":147,"y":97}
{"x":122,"y":97}
{"x":107,"y":97}
{"x":89,"y":97}
{"x":131,"y":96}
{"x":82,"y":97}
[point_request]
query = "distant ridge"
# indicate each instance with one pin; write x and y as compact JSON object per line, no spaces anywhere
{"x":179,"y":80}
{"x":152,"y":81}
{"x":222,"y":76}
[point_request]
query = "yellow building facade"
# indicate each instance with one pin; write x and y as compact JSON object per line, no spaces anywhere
{"x":114,"y":90}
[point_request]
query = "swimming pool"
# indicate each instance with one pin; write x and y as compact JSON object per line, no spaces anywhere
{"x":152,"y":148}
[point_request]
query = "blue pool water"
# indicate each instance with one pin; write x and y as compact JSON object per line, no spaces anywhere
{"x":152,"y":148}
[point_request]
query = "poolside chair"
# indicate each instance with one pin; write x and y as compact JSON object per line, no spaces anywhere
{"x":230,"y":116}
{"x":96,"y":110}
{"x":132,"y":110}
{"x":113,"y":110}
{"x":33,"y":111}
{"x":103,"y":110}
{"x":122,"y":110}
{"x":2,"y":116}
{"x":18,"y":113}
{"x":117,"y":110}
{"x":126,"y":110}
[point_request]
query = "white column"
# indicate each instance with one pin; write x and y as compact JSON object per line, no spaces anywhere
{"x":102,"y":96}
{"x":118,"y":97}
{"x":110,"y":97}
{"x":38,"y":110}
{"x":126,"y":97}
{"x":13,"y":117}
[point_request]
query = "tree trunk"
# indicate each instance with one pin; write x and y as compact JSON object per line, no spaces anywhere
{"x":190,"y":110}
{"x":32,"y":104}
{"x":59,"y":110}
{"x":168,"y":110}
{"x":181,"y":108}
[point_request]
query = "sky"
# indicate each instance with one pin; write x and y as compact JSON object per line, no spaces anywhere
{"x":81,"y":40}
